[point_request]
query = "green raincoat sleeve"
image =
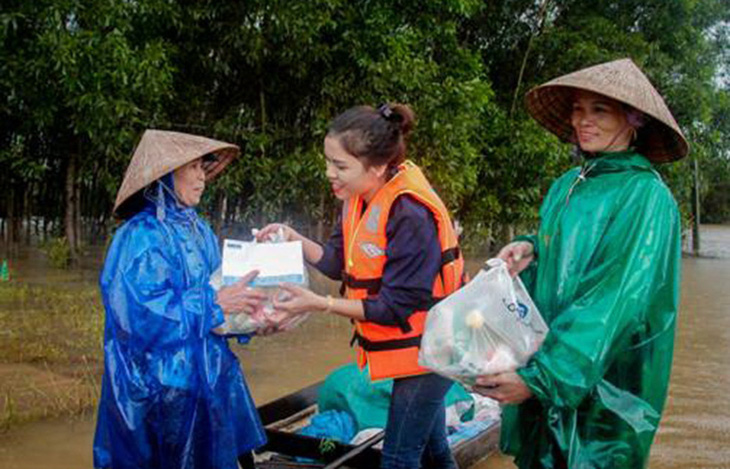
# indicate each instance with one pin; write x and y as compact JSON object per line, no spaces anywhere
{"x":600,"y":378}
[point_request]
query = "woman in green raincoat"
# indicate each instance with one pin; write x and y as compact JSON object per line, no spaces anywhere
{"x":603,"y":270}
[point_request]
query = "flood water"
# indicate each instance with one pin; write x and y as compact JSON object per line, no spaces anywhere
{"x":695,"y":431}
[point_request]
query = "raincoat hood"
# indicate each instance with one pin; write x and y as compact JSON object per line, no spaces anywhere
{"x":629,"y":160}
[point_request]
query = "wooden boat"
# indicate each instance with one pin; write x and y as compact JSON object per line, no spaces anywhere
{"x":288,"y":450}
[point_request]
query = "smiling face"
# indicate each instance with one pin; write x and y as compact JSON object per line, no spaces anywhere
{"x":347,"y":174}
{"x":189,"y":182}
{"x":600,"y":123}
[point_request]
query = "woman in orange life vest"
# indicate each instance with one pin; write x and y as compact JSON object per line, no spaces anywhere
{"x":397,"y":253}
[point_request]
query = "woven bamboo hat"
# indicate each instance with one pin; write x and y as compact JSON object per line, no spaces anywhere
{"x":160,"y":152}
{"x":551,"y":104}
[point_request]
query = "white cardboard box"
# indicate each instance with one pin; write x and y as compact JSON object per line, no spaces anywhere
{"x":276,"y":262}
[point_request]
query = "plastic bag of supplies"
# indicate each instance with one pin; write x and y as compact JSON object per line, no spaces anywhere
{"x":277,"y":262}
{"x":491,"y":325}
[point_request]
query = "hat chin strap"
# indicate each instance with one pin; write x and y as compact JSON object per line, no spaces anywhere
{"x":172,"y":193}
{"x":159,"y":198}
{"x":189,"y":214}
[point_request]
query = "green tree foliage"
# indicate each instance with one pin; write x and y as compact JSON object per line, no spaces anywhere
{"x":82,"y":79}
{"x":79,"y":83}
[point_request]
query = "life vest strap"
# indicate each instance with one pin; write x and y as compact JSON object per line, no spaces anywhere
{"x":434,"y":300}
{"x":384,"y":345}
{"x":372,"y":285}
{"x":450,"y":255}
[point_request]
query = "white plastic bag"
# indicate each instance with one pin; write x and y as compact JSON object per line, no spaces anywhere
{"x":265,"y":317}
{"x":491,"y":325}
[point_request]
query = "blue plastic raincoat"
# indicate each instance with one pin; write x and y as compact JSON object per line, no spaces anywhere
{"x":173,"y":394}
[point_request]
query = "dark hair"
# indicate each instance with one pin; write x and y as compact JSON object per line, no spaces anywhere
{"x":375,"y":135}
{"x":210,"y":158}
{"x":642,"y":124}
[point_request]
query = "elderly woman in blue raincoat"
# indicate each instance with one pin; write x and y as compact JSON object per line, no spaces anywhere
{"x":603,"y":270}
{"x":173,"y":394}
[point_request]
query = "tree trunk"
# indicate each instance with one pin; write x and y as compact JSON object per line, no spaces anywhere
{"x":38,"y":214}
{"x":77,"y":214}
{"x":540,"y":22}
{"x":43,"y":210}
{"x":696,"y":221}
{"x":11,"y":218}
{"x":70,"y":193}
{"x":4,"y":235}
{"x":8,"y":222}
{"x":231,"y":211}
{"x":28,"y":213}
{"x":46,"y":227}
{"x":507,"y":234}
{"x":18,"y":220}
{"x":219,"y":216}
{"x":15,"y":219}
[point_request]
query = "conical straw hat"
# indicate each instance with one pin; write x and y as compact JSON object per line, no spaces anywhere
{"x":160,"y":152}
{"x":551,"y":104}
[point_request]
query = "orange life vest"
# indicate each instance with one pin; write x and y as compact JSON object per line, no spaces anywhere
{"x":392,"y":351}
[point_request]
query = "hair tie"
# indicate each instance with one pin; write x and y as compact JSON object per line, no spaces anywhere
{"x":636,"y":118}
{"x":388,"y":114}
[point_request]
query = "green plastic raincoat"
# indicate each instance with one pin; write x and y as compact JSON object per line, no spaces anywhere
{"x":606,"y":279}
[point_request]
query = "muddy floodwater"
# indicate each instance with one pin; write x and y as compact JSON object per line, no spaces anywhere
{"x":694,"y":434}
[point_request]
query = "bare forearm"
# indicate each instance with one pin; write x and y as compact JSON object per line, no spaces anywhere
{"x":312,"y":251}
{"x":352,"y":309}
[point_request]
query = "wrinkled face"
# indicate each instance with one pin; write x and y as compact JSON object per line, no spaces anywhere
{"x":600,"y":123}
{"x":347,"y":174}
{"x":189,"y":182}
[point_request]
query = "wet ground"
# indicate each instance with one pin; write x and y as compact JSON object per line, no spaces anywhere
{"x":695,"y":431}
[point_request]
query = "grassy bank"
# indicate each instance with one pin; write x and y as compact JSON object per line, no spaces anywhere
{"x":50,"y":351}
